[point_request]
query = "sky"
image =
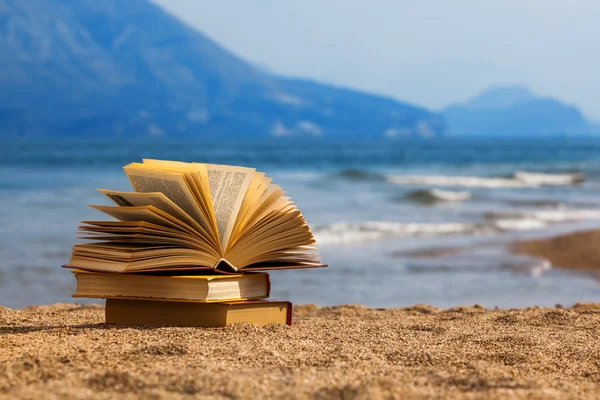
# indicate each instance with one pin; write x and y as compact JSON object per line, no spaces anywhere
{"x":428,"y":52}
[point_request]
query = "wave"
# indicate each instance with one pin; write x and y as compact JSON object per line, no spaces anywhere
{"x":520,"y":179}
{"x":308,"y":176}
{"x":359,"y":175}
{"x":353,"y":232}
{"x":464,"y":181}
{"x":525,"y":224}
{"x":438,"y":195}
{"x":539,"y":179}
{"x":532,"y":266}
{"x":544,"y":216}
{"x":539,"y":203}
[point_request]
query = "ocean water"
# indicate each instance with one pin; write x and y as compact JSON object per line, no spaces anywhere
{"x":398,"y":223}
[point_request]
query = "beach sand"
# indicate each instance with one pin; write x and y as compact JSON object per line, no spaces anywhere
{"x":579,"y":250}
{"x":64,"y":351}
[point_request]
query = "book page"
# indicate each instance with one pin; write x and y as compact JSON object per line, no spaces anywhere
{"x":143,"y":213}
{"x":136,"y":215}
{"x":173,"y":185}
{"x":144,"y":229}
{"x":266,"y":200}
{"x":197,"y":177}
{"x":280,"y":235}
{"x":258,"y":186}
{"x":228,"y":186}
{"x":158,"y":200}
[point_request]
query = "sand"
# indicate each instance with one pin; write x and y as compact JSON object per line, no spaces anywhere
{"x":66,"y":352}
{"x":579,"y":250}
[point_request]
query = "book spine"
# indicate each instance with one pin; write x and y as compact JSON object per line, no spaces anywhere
{"x":268,"y":277}
{"x":289,"y":314}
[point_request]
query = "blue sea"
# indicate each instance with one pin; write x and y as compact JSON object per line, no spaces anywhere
{"x":398,"y":223}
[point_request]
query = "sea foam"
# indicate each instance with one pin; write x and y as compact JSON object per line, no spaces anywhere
{"x":545,"y":216}
{"x":353,"y":232}
{"x":520,"y":179}
{"x":361,"y":231}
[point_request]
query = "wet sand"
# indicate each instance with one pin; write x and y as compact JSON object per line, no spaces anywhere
{"x":579,"y":250}
{"x":65,"y":351}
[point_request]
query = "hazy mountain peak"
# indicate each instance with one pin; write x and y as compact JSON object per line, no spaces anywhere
{"x":500,"y":97}
{"x":514,"y":111}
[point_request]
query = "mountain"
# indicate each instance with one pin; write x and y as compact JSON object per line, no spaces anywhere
{"x":115,"y":67}
{"x":514,"y":111}
{"x":595,"y":128}
{"x":500,"y":97}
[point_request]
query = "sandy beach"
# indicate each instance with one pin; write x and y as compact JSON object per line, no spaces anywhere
{"x":65,"y":351}
{"x":577,"y":251}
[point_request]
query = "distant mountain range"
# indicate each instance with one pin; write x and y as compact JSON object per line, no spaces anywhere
{"x":116,"y":67}
{"x":514,"y":111}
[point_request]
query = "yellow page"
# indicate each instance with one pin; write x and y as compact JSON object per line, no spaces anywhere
{"x":268,"y":197}
{"x":195,"y":172}
{"x":144,"y":213}
{"x":228,"y":187}
{"x":156,"y":199}
{"x":258,"y":186}
{"x":172,"y":184}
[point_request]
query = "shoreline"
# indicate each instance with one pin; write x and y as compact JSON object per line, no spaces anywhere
{"x":344,"y":351}
{"x":578,"y":250}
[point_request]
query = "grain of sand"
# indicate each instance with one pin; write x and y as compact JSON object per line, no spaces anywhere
{"x":66,"y":352}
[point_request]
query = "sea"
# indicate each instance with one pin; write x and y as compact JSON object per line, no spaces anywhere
{"x":398,"y":222}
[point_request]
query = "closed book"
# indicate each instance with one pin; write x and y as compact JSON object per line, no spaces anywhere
{"x":195,"y":314}
{"x":205,"y":288}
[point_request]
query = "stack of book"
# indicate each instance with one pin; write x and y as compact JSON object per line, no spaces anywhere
{"x":184,"y":248}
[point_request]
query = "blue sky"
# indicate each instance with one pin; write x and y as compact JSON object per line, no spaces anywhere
{"x":428,"y":52}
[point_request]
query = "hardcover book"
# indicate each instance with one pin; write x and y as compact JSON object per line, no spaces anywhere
{"x":208,"y":288}
{"x":174,"y":313}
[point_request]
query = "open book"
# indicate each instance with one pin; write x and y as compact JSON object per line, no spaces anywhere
{"x":192,"y":216}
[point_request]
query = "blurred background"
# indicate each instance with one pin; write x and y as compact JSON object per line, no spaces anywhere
{"x":422,"y":140}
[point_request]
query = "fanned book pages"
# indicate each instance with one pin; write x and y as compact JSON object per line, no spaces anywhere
{"x":191,"y":216}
